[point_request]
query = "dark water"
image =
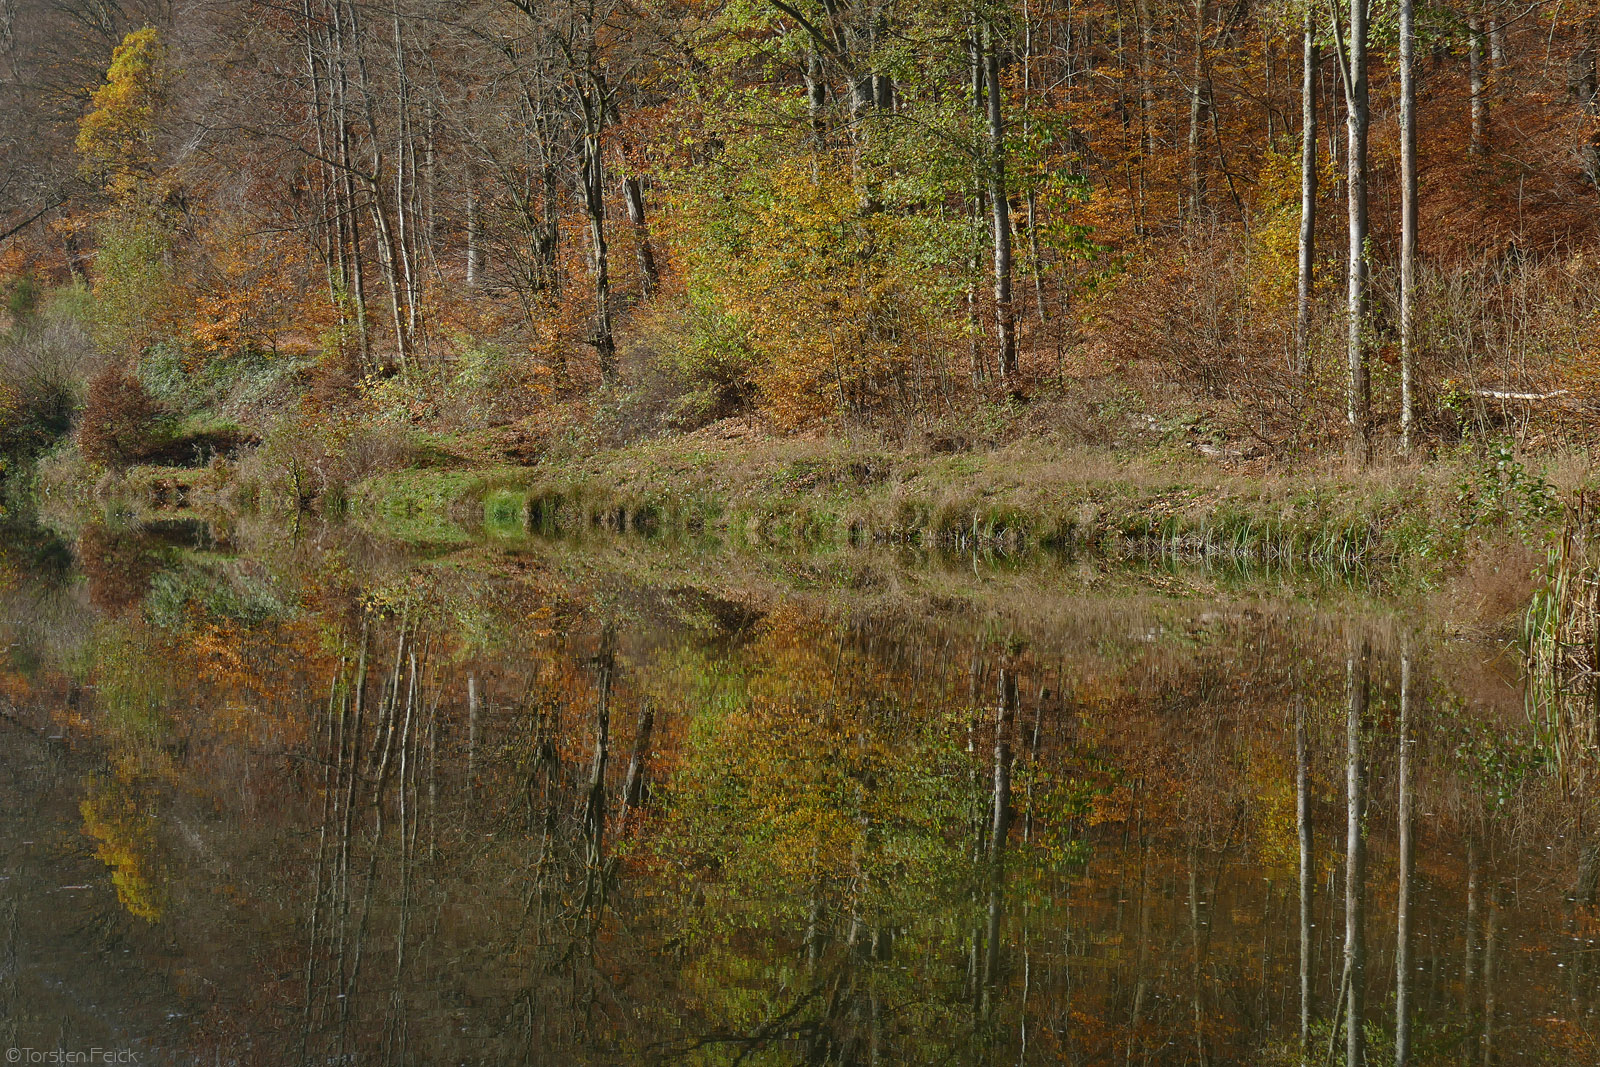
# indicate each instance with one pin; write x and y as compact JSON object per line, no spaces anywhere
{"x":322,"y":802}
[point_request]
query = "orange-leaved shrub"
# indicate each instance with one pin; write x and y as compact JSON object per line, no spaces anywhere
{"x":122,"y":423}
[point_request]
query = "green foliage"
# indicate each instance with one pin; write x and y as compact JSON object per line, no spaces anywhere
{"x":184,"y":381}
{"x":1498,"y":765}
{"x":830,"y":294}
{"x":133,"y":280}
{"x":709,"y":362}
{"x":73,"y":302}
{"x":1501,"y":489}
{"x":481,"y":366}
{"x":178,"y":594}
{"x":22,"y":298}
{"x":133,"y":698}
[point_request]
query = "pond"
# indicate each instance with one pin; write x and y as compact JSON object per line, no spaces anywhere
{"x":282,"y":797}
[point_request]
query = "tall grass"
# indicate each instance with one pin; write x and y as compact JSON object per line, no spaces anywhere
{"x":1562,"y":634}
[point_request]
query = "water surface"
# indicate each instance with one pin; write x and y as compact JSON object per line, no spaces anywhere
{"x":326,"y":801}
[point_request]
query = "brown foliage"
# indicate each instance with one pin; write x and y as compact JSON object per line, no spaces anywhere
{"x":1194,"y":323}
{"x":122,"y":423}
{"x":119,"y":568}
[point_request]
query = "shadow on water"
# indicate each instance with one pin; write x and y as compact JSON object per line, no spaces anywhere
{"x":320,"y":802}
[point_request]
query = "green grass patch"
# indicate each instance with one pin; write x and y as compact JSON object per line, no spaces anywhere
{"x":818,"y":494}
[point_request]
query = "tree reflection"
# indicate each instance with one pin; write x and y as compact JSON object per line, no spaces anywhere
{"x":428,"y":821}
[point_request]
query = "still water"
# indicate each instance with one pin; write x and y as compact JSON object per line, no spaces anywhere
{"x":320,"y":801}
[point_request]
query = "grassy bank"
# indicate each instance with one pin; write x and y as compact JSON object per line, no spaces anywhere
{"x":1029,"y":494}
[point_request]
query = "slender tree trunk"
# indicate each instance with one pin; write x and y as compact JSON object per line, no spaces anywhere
{"x":633,"y":194}
{"x":816,"y":100}
{"x":1272,"y":114}
{"x":389,"y":260}
{"x":595,"y":209}
{"x":999,"y":830}
{"x":1486,"y":1051}
{"x":1302,"y":795}
{"x":1005,"y":716}
{"x":348,"y":204}
{"x":378,"y":204}
{"x":1146,"y":95}
{"x":329,"y":245}
{"x":1035,"y":260}
{"x":430,"y":188}
{"x":1311,"y":62}
{"x":634,"y":788}
{"x":594,"y":815}
{"x":1408,"y":223}
{"x":1000,"y":228}
{"x":1469,"y":970}
{"x":1358,"y":116}
{"x":1355,"y":947}
{"x":405,"y":185}
{"x":1196,"y":1003}
{"x":1197,"y":105}
{"x":548,"y":233}
{"x":1583,"y":88}
{"x":474,"y":249}
{"x":1479,"y":99}
{"x":1402,"y":951}
{"x":979,"y":209}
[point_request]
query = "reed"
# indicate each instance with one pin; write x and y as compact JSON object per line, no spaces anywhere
{"x":1562,"y":646}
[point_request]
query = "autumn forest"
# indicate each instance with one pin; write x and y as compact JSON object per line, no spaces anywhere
{"x":1303,"y":229}
{"x":827,"y":532}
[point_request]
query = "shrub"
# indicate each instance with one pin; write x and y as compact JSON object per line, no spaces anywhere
{"x":22,"y":298}
{"x":189,"y":381}
{"x":134,"y":295}
{"x":42,"y":368}
{"x":708,"y":358}
{"x":122,"y":423}
{"x":829,"y":299}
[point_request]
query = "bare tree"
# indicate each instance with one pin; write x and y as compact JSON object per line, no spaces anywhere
{"x":1311,"y":63}
{"x":1351,"y":43}
{"x":1000,"y":206}
{"x":1408,"y":222}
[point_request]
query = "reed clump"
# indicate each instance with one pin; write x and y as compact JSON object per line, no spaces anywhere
{"x":1562,"y":645}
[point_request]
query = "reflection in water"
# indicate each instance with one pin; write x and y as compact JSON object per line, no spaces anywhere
{"x":1302,"y":790}
{"x":1353,"y":986}
{"x":341,"y":808}
{"x":1402,"y":938}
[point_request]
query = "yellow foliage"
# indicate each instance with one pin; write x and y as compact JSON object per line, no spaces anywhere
{"x":813,"y":275}
{"x":125,"y":830}
{"x":245,"y":288}
{"x":116,"y":139}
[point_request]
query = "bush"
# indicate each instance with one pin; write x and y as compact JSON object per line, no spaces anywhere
{"x":122,"y":423}
{"x":187,"y":381}
{"x":22,"y":298}
{"x":708,"y":359}
{"x":42,"y":369}
{"x":302,"y":462}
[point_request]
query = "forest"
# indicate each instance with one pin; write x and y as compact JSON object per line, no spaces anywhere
{"x":326,"y":240}
{"x":841,"y":532}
